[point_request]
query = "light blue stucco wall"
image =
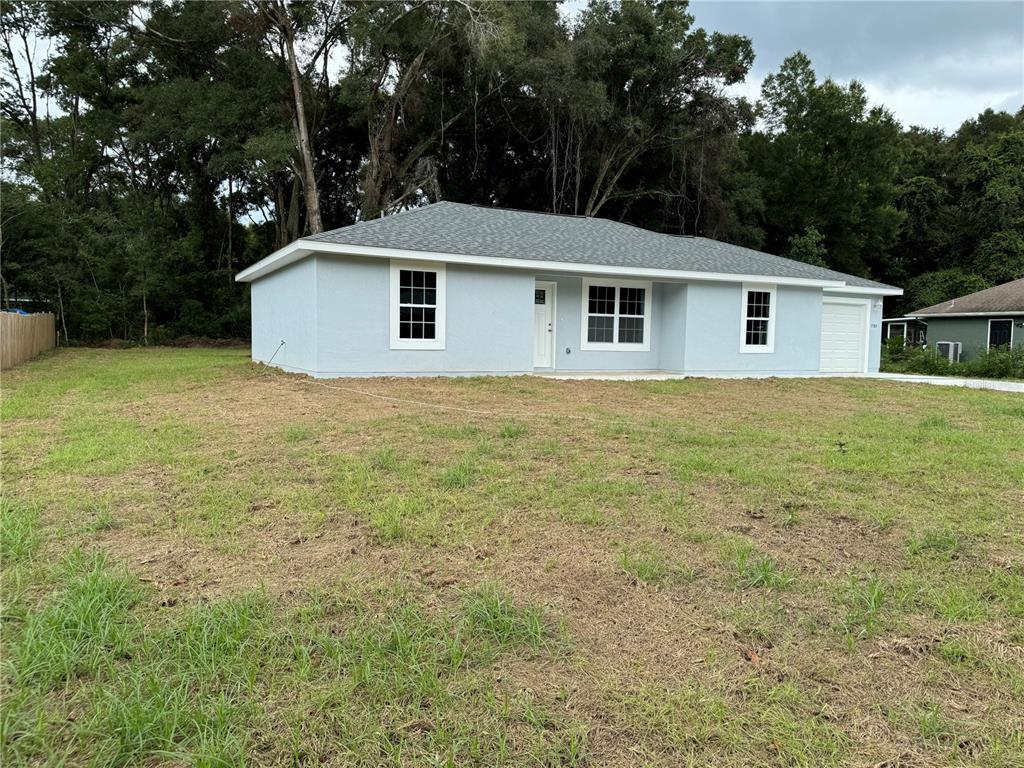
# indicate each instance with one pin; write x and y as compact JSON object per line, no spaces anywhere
{"x":671,"y":325}
{"x":283,"y":309}
{"x":714,"y":323}
{"x":333,"y":314}
{"x":569,"y":316}
{"x":489,"y":321}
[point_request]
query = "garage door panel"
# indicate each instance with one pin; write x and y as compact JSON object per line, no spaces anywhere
{"x":843,"y":337}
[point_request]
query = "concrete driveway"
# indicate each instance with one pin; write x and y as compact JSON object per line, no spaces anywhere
{"x":912,"y":378}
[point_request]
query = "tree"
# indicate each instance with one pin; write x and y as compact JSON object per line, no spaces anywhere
{"x":808,"y":247}
{"x":830,"y":161}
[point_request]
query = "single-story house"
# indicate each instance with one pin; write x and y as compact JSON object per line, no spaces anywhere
{"x":914,"y":332}
{"x":965,"y":327}
{"x":453,"y":289}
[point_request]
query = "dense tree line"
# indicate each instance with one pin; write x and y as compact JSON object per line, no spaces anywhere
{"x":185,"y":140}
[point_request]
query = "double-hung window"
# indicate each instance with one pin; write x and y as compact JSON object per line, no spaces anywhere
{"x":757,"y":329}
{"x":417,"y":305}
{"x":616,"y":315}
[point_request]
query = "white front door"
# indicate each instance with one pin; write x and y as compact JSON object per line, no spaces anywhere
{"x":844,"y":332}
{"x":543,"y":325}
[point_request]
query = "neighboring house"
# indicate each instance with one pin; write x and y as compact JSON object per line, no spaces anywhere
{"x":914,"y":332}
{"x":460,"y":289}
{"x":963,"y":328}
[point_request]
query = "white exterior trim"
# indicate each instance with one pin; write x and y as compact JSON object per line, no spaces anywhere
{"x":855,"y":290}
{"x":988,"y":333}
{"x":772,"y":310}
{"x":888,"y":331}
{"x":436,"y":343}
{"x":552,"y":287}
{"x":302,"y":248}
{"x":997,"y":315}
{"x":866,"y":303}
{"x":615,"y":345}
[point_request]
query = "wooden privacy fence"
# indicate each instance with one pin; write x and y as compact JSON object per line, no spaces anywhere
{"x":22,"y":337}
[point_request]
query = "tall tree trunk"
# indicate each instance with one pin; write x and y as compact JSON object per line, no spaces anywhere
{"x":231,"y":222}
{"x":145,"y":316}
{"x":305,"y":144}
{"x":63,"y":317}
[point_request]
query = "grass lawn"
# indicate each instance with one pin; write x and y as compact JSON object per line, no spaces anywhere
{"x":209,"y":563}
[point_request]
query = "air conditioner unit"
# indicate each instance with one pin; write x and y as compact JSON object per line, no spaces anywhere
{"x":949,"y":350}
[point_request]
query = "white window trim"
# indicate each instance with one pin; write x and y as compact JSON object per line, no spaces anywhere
{"x":988,"y":335}
{"x":772,"y":311}
{"x":439,"y":314}
{"x":616,"y":345}
{"x":888,"y":332}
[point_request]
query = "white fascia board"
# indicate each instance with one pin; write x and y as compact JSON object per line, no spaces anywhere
{"x":301,"y":248}
{"x":282,"y":257}
{"x":864,"y":291}
{"x":993,"y":314}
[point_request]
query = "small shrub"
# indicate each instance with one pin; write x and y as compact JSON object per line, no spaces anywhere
{"x":998,"y":363}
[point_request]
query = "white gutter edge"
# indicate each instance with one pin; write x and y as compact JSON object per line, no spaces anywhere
{"x":301,"y":248}
{"x":993,"y":314}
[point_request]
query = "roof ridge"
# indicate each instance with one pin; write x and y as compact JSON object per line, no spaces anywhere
{"x":362,"y":222}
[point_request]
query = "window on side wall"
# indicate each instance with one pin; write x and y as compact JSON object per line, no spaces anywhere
{"x":417,"y":305}
{"x":616,"y":315}
{"x":757,"y":331}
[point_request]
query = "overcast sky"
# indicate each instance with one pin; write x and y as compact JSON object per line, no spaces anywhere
{"x":934,"y":64}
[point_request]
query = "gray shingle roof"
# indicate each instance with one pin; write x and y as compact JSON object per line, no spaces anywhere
{"x":1008,"y":297}
{"x":471,"y":230}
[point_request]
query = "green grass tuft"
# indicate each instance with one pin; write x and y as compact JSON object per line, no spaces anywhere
{"x":19,"y":536}
{"x":864,"y":599}
{"x":490,"y":613}
{"x":943,"y":544}
{"x":460,"y":475}
{"x":79,"y":630}
{"x":512,"y":430}
{"x":760,"y":571}
{"x":646,"y":563}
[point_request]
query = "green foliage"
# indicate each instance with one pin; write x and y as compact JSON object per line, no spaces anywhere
{"x":934,"y":288}
{"x":997,"y":363}
{"x":620,"y":114}
{"x":808,"y":247}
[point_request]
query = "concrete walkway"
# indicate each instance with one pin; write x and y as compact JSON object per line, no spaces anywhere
{"x":912,"y":378}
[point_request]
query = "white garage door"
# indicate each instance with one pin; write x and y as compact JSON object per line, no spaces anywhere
{"x":843,"y":337}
